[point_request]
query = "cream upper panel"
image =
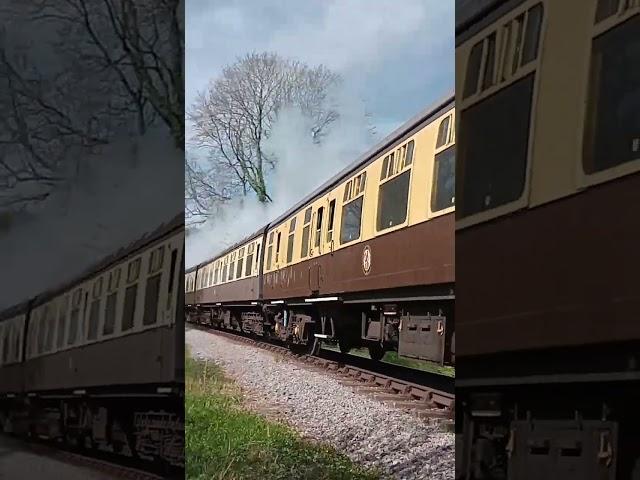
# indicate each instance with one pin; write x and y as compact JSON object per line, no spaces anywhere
{"x":212,"y":273}
{"x":95,"y":309}
{"x":363,"y":185}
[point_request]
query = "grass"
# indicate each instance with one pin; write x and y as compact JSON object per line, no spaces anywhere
{"x":224,"y":441}
{"x":392,"y":357}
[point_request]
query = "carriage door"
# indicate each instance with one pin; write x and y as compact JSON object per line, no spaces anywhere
{"x":316,"y":249}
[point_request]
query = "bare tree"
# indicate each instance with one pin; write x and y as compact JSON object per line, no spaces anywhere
{"x":118,"y":66}
{"x":234,"y":117}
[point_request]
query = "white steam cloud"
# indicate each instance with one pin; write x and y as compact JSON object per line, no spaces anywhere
{"x":302,"y":167}
{"x":119,"y":195}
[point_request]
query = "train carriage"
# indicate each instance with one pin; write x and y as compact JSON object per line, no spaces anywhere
{"x":547,"y":237}
{"x":99,"y":362}
{"x":365,"y":254}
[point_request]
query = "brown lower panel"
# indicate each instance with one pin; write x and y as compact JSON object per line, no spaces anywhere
{"x":422,"y":254}
{"x":237,"y":291}
{"x":564,"y":274}
{"x":142,"y":358}
{"x":11,"y":378}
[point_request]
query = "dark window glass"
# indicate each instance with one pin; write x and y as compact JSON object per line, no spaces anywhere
{"x":409,"y":155}
{"x":290,"y":248}
{"x":224,"y":273}
{"x":258,"y":253}
{"x":318,"y":234}
{"x":489,"y":66}
{"x":73,"y":326}
{"x":42,"y":325}
{"x":351,"y":219}
{"x":606,"y":8}
{"x":443,"y":132}
{"x":307,"y":215}
{"x":278,"y":247}
{"x":612,"y":131}
{"x":110,"y":315}
{"x":383,"y":172}
{"x":473,"y":71}
{"x":94,"y":315}
{"x":62,"y":323}
{"x":332,"y":214}
{"x":506,"y":42}
{"x":239,"y":268}
{"x":532,"y":39}
{"x":151,"y":295}
{"x":51,"y":325}
{"x":269,"y":255}
{"x":304,"y":250}
{"x":492,"y":149}
{"x":232,"y":270}
{"x":128,"y":313}
{"x":392,"y":201}
{"x":248,"y":265}
{"x":5,"y":344}
{"x":443,"y":195}
{"x":519,"y":26}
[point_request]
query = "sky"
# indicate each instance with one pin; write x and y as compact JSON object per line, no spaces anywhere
{"x":399,"y":60}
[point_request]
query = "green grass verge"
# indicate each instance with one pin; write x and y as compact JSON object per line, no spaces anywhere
{"x":392,"y":357}
{"x":224,"y":441}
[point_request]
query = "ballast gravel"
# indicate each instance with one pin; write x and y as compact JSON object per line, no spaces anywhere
{"x":319,"y":407}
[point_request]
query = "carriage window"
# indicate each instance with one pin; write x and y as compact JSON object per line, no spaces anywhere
{"x":443,"y":193}
{"x":443,"y":132}
{"x":129,"y":310}
{"x":248,"y":265}
{"x":239,"y":268}
{"x":17,"y":337}
{"x":94,"y":315}
{"x":50,"y":318}
{"x":151,"y":296}
{"x":318,"y":233}
{"x":392,"y":201}
{"x":174,"y":259}
{"x":332,"y":213}
{"x":519,"y":29}
{"x":42,"y":327}
{"x":133,"y":270}
{"x":612,"y":130}
{"x":306,"y":232}
{"x":156,"y":261}
{"x":270,"y":251}
{"x":110,"y":314}
{"x":278,"y":247}
{"x":62,"y":322}
{"x":408,"y":158}
{"x":292,"y":229}
{"x":385,"y":167}
{"x":532,"y":38}
{"x":489,"y":68}
{"x":351,"y":219}
{"x":75,"y":317}
{"x":492,"y":148}
{"x":224,"y":274}
{"x":4,"y":334}
{"x":232,"y":271}
{"x":473,"y":70}
{"x":257,"y":255}
{"x":606,"y":8}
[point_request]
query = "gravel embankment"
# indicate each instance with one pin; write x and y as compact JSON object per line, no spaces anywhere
{"x":319,"y":407}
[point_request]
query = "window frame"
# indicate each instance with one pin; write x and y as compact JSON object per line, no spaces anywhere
{"x":585,"y":179}
{"x":521,"y":72}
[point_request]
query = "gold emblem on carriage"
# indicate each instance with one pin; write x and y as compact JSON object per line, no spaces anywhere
{"x":366,"y":260}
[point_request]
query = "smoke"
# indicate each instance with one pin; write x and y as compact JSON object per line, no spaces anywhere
{"x":117,"y":196}
{"x":302,"y":167}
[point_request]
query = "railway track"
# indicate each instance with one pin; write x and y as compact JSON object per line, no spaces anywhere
{"x":99,"y":462}
{"x":423,"y":394}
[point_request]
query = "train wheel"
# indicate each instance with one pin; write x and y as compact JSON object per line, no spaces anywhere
{"x":345,"y":345}
{"x":376,"y":351}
